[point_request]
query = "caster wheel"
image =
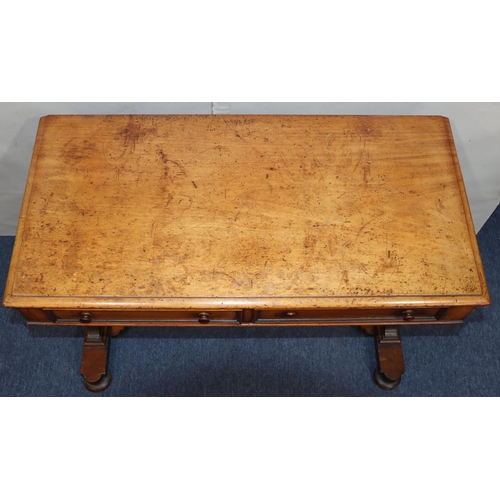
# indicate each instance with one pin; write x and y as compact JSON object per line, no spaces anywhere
{"x":100,"y":385}
{"x":385,"y":383}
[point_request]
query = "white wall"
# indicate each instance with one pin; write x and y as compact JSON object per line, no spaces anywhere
{"x":476,"y":129}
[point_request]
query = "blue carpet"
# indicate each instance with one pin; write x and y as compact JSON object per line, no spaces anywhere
{"x":457,"y":360}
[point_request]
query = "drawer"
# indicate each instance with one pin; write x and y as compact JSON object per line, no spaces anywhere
{"x":145,"y":316}
{"x":346,"y":315}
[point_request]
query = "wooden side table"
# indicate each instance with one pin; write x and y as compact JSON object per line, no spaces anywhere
{"x":235,"y":220}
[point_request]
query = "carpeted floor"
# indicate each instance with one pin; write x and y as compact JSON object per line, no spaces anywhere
{"x":458,"y":360}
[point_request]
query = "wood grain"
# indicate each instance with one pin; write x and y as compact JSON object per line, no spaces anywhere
{"x":242,"y":211}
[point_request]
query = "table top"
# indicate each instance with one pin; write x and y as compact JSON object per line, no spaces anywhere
{"x":169,"y":211}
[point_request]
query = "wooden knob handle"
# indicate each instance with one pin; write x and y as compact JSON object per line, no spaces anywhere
{"x":290,"y":313}
{"x":409,"y":315}
{"x":204,"y":317}
{"x":85,"y":317}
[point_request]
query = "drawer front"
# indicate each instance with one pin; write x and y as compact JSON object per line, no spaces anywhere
{"x":347,"y":315}
{"x":128,"y":316}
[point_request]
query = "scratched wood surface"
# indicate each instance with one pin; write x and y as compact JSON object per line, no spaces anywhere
{"x":160,"y":211}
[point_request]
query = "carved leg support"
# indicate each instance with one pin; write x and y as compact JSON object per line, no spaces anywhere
{"x":94,"y":368}
{"x":116,"y":330}
{"x":370,"y":330}
{"x":390,"y":357}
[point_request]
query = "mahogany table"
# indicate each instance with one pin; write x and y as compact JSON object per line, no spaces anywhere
{"x":237,"y":220}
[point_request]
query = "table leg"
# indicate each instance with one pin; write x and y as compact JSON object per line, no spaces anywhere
{"x":389,"y":356}
{"x":94,"y":367}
